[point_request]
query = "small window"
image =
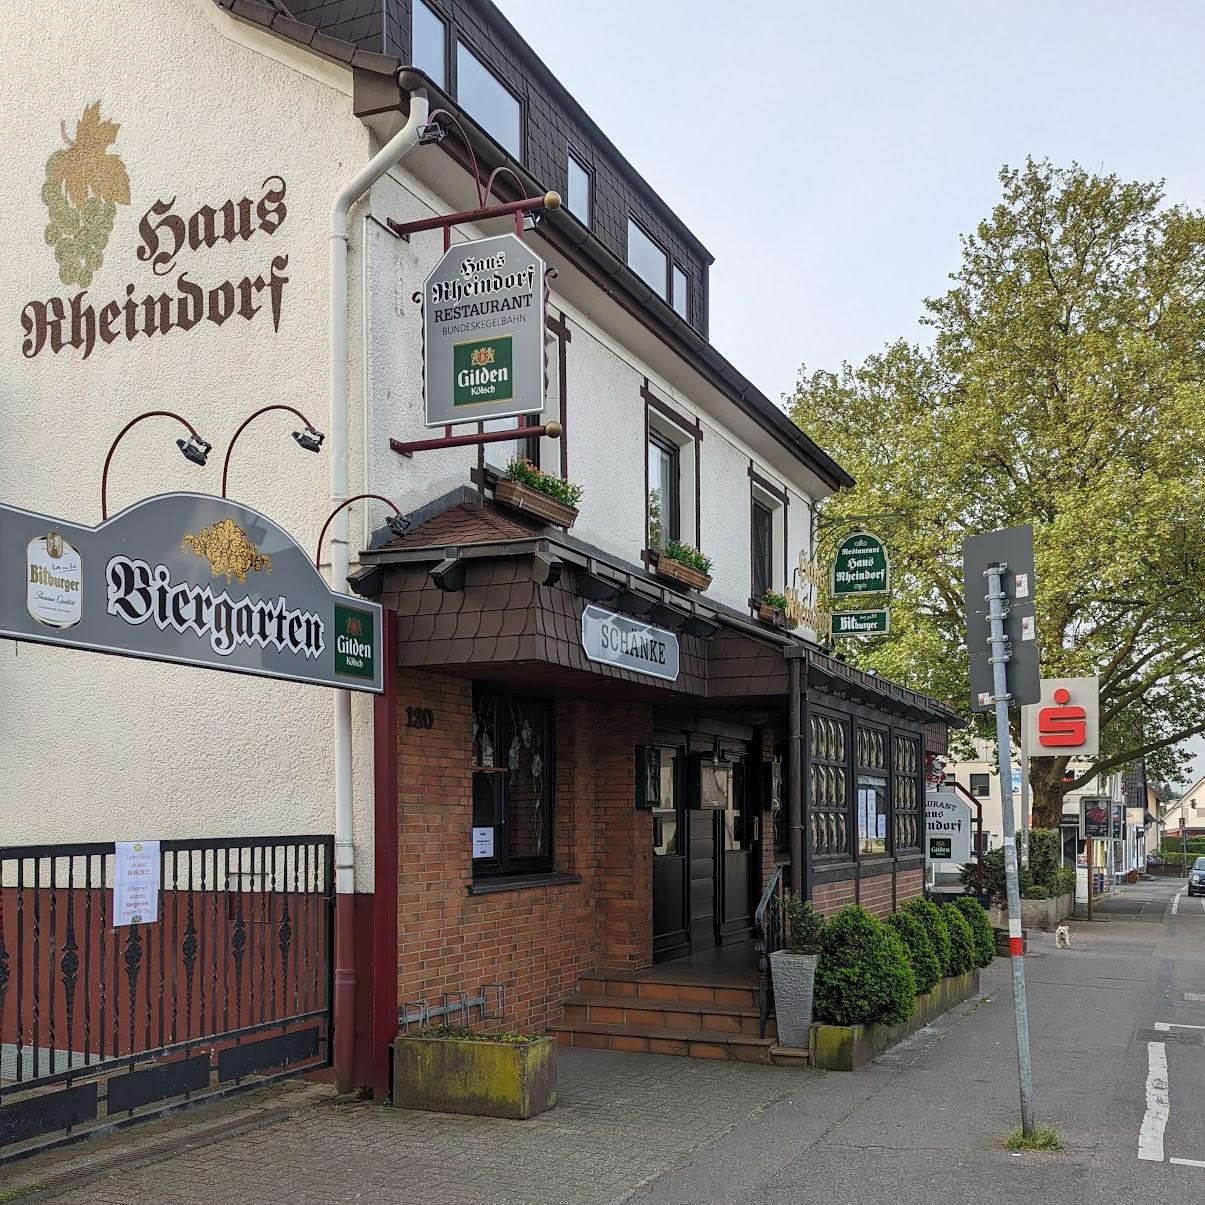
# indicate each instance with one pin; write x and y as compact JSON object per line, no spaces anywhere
{"x":429,"y":44}
{"x":488,"y":101}
{"x":664,"y":512}
{"x":667,"y":836}
{"x":512,"y":785}
{"x":646,"y":259}
{"x":578,"y":198}
{"x":763,"y":549}
{"x":679,"y":298}
{"x":872,"y":814}
{"x":980,"y":785}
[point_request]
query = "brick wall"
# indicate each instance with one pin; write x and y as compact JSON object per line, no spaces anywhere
{"x":908,"y":885}
{"x":535,"y":940}
{"x":874,"y":894}
{"x":832,"y":897}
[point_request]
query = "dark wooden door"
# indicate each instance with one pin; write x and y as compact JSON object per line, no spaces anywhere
{"x":703,"y":878}
{"x":735,"y":843}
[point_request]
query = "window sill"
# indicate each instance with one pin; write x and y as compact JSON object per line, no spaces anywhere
{"x":519,"y":882}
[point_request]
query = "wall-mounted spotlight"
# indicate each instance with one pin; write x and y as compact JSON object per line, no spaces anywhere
{"x":309,"y":439}
{"x":195,"y":449}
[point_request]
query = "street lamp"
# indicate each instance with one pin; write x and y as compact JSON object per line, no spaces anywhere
{"x":398,"y":523}
{"x":194,"y":448}
{"x":310,"y":439}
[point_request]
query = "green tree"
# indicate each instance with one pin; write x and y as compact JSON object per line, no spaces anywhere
{"x":1063,"y":387}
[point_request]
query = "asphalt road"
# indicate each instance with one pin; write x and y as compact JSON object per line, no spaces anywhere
{"x":925,"y":1123}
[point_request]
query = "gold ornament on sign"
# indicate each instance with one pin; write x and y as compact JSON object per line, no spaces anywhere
{"x":228,"y":549}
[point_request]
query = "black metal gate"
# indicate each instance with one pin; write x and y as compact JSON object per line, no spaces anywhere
{"x":228,"y":989}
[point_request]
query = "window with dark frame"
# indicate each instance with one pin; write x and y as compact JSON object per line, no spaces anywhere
{"x":577,"y":197}
{"x":429,"y":44}
{"x":489,"y":101}
{"x":512,"y":785}
{"x":648,"y":259}
{"x":908,"y":791}
{"x":981,"y":785}
{"x":828,"y":785}
{"x":871,"y":804}
{"x":664,"y":501}
{"x":762,"y":524}
{"x":679,"y":292}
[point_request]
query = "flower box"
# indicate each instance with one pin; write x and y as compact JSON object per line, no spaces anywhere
{"x":676,"y":571}
{"x":532,"y":502}
{"x":474,"y":1075}
{"x":771,"y":615}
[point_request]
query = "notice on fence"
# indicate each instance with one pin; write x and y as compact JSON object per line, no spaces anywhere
{"x":136,"y":883}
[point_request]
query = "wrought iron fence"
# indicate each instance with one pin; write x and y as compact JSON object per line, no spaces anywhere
{"x":767,"y":937}
{"x":100,"y":1024}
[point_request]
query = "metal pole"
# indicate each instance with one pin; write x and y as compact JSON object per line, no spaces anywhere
{"x":1024,"y":791}
{"x":795,"y":833}
{"x":999,"y":659}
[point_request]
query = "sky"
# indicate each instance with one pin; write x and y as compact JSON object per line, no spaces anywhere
{"x":830,"y":154}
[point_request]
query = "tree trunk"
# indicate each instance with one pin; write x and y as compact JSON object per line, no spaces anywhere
{"x":1047,"y":788}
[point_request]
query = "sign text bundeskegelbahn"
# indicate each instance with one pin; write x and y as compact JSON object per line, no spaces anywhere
{"x":483,"y":333}
{"x":861,"y":566}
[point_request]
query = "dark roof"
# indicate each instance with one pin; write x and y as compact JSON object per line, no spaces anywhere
{"x":580,"y":240}
{"x":465,"y":523}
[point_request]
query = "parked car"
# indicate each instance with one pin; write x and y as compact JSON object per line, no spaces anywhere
{"x":1196,"y":878}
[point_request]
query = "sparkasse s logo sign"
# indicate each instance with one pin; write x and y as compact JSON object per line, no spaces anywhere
{"x":1066,"y":722}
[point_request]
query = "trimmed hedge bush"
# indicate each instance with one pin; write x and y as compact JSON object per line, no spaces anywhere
{"x":962,"y":940}
{"x":864,"y":974}
{"x":926,"y":970}
{"x":934,"y":925}
{"x":981,"y":929}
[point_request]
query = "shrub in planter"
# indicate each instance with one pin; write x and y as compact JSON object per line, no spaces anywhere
{"x":935,"y":926}
{"x":962,"y":940}
{"x":686,"y":555}
{"x":1036,"y":892}
{"x":981,"y":929}
{"x":926,"y":970}
{"x":1064,"y":880}
{"x":525,"y":473}
{"x":864,"y":973}
{"x":794,"y":970}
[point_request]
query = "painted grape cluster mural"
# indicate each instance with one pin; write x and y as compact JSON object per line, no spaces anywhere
{"x":84,"y":185}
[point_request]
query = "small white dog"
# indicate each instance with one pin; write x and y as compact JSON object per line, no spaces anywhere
{"x":1062,"y":938}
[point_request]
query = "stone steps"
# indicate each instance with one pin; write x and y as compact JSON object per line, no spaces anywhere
{"x":695,"y":1043}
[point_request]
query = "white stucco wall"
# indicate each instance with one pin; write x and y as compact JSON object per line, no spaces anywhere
{"x":209,"y":109}
{"x":106,"y":748}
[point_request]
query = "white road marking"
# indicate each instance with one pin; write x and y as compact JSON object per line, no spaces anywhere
{"x":1188,"y":1162}
{"x":1168,"y":1026}
{"x":1158,"y":1105}
{"x":1203,"y":903}
{"x":1176,"y":903}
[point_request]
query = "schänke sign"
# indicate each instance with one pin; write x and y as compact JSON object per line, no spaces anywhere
{"x":483,"y":333}
{"x":187,"y":578}
{"x":613,"y":639}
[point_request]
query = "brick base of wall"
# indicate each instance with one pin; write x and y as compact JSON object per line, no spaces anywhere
{"x":874,"y":892}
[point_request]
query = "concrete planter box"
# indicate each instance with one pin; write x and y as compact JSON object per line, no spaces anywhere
{"x":848,"y":1047}
{"x":482,"y":1078}
{"x":1046,"y":914}
{"x":794,"y":978}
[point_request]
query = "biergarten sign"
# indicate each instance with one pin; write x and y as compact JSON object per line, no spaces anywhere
{"x":187,"y":578}
{"x":626,"y":643}
{"x":860,"y":566}
{"x":483,"y":333}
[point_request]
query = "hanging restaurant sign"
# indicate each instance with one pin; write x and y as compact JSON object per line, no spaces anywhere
{"x":629,"y":644}
{"x":187,"y":578}
{"x":483,"y":333}
{"x":862,"y":623}
{"x":861,"y":566}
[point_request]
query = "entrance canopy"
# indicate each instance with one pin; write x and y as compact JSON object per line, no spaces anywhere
{"x":188,"y":578}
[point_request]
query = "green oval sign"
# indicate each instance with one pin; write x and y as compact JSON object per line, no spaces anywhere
{"x":861,"y":566}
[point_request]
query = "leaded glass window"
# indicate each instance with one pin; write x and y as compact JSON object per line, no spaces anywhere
{"x":908,"y":790}
{"x":828,"y":784}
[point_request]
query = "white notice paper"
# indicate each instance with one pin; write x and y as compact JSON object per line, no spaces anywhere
{"x":136,"y":883}
{"x":483,"y":843}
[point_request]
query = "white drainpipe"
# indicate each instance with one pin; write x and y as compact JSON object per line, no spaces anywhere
{"x":404,"y":141}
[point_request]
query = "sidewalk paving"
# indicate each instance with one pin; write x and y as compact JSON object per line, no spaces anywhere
{"x":923,"y":1123}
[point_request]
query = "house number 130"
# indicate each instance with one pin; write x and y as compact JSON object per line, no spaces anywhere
{"x":420,"y":717}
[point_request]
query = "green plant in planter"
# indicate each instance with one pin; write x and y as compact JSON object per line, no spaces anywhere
{"x":962,"y":940}
{"x":935,"y":926}
{"x":525,"y":473}
{"x":925,"y":968}
{"x":864,"y":974}
{"x":1036,"y":892}
{"x":981,"y":929}
{"x":772,"y":598}
{"x":684,"y":554}
{"x":803,"y":924}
